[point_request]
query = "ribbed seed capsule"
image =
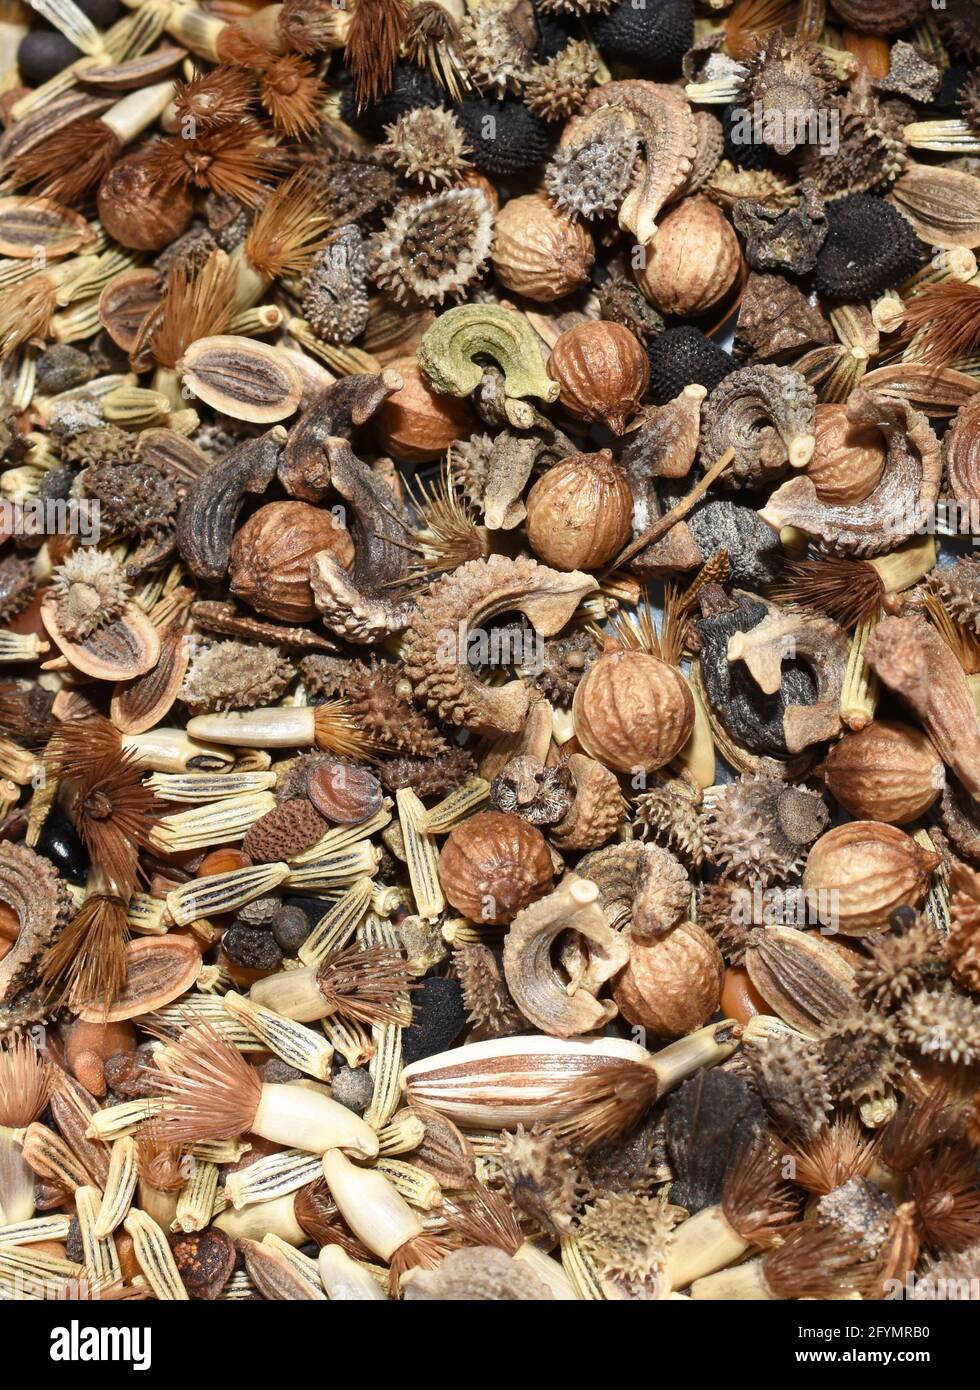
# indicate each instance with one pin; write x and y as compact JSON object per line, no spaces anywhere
{"x":204,"y":1008}
{"x":146,"y":915}
{"x":421,"y":855}
{"x":403,"y":1133}
{"x":35,"y":1230}
{"x":583,"y":1272}
{"x":418,"y":1187}
{"x":220,"y":893}
{"x":298,"y":1046}
{"x":460,"y":804}
{"x":196,"y":1202}
{"x":119,"y":1188}
{"x":272,"y":1177}
{"x":125,"y":1118}
{"x":275,"y":1276}
{"x":336,"y":927}
{"x":100,"y":1252}
{"x":201,"y":787}
{"x":152,"y":1252}
{"x":217,"y":823}
{"x":47,"y":1154}
{"x":351,"y":1039}
{"x":342,"y":837}
{"x":336,"y":870}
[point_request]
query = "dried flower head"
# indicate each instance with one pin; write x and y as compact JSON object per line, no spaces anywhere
{"x":293,"y":94}
{"x":212,"y":99}
{"x":426,"y":145}
{"x":496,"y":56}
{"x":791,"y":81}
{"x":209,"y":1091}
{"x":197,"y":303}
{"x":542,"y":1178}
{"x":838,"y":1152}
{"x":312,"y":26}
{"x":235,"y":161}
{"x":25,"y":1082}
{"x":71,"y":162}
{"x":87,"y":965}
{"x":375,"y":35}
{"x":817,"y":1262}
{"x":89,"y":590}
{"x":669,"y":815}
{"x":433,"y":248}
{"x":432,"y":41}
{"x":234,"y":675}
{"x":849,"y":591}
{"x":290,"y":227}
{"x":945,"y":1187}
{"x":367,"y":985}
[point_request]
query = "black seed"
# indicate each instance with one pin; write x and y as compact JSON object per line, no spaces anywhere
{"x":252,"y":947}
{"x":438,"y":1018}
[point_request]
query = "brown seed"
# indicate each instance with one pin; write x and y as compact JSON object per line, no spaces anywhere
{"x":242,"y":378}
{"x":158,"y":970}
{"x":222,"y":861}
{"x":205,"y":1260}
{"x":345,"y":795}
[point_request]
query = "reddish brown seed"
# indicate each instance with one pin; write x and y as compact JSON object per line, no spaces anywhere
{"x":205,"y":1260}
{"x":345,"y":795}
{"x":222,"y":861}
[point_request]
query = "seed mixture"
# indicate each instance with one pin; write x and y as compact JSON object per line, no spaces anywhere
{"x":489,"y":742}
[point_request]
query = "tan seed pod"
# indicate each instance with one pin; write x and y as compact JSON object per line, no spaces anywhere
{"x":538,"y":253}
{"x":885,"y":772}
{"x":802,"y":978}
{"x":867,"y":869}
{"x":942,"y":204}
{"x":29,"y":226}
{"x":158,"y":970}
{"x":245,"y":379}
{"x":671,"y":985}
{"x":848,"y":458}
{"x":602,"y":373}
{"x":693,"y":261}
{"x":631,"y":710}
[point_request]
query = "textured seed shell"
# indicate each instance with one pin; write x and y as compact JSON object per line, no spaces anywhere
{"x":961,"y":453}
{"x":672,"y":985}
{"x":938,"y":391}
{"x":135,"y":72}
{"x":887,"y":772}
{"x":125,"y":302}
{"x":539,"y":253}
{"x":871,"y":869}
{"x":158,"y":970}
{"x":121,"y":650}
{"x":29,"y":226}
{"x":802,"y":979}
{"x":242,"y":378}
{"x":140,"y":704}
{"x":943,"y":205}
{"x":633,"y":710}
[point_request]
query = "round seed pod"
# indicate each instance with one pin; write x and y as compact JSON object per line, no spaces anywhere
{"x":848,"y":458}
{"x":417,"y":425}
{"x":493,"y":865}
{"x":139,"y":213}
{"x":602,"y":372}
{"x":866,"y":870}
{"x":345,"y":795}
{"x":271,"y":555}
{"x":693,"y":261}
{"x":671,"y":985}
{"x":538,"y":253}
{"x":579,"y":513}
{"x":886,"y":772}
{"x":632,"y":711}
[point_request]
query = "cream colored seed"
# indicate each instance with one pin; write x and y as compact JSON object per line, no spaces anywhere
{"x":152,"y":1251}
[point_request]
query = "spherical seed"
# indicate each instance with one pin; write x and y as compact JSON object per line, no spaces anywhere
{"x":251,"y":947}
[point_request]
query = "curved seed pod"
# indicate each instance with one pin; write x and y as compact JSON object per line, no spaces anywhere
{"x":557,"y":1006}
{"x":126,"y":647}
{"x":961,"y":453}
{"x":438,"y":634}
{"x":910,"y":657}
{"x":31,"y":889}
{"x":140,"y":704}
{"x":305,"y":465}
{"x":597,"y":810}
{"x":894,"y":510}
{"x":768,"y":415}
{"x":821,"y":645}
{"x":361,"y":604}
{"x":668,"y":133}
{"x":449,"y":348}
{"x":32,"y":225}
{"x":206,"y":520}
{"x":643,"y":887}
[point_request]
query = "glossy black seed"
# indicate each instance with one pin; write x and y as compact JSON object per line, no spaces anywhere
{"x":438,"y":1018}
{"x":506,"y":138}
{"x":42,"y":54}
{"x":60,"y":843}
{"x":681,"y":357}
{"x":656,"y":34}
{"x":252,"y":947}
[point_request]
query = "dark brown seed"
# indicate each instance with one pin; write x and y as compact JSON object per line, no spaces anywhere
{"x":205,"y":1260}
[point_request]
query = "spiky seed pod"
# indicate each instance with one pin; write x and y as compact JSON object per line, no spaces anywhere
{"x":902,"y":961}
{"x":335,"y":293}
{"x":89,"y":590}
{"x":426,"y":145}
{"x":791,"y":1077}
{"x":469,"y":463}
{"x":838,"y":1152}
{"x":433,"y":248}
{"x":486,"y":997}
{"x":958,"y":585}
{"x":17,"y":586}
{"x":379,"y":697}
{"x":626,"y":1235}
{"x":591,"y":177}
{"x":792,"y":82}
{"x":95,"y":446}
{"x":134,"y":499}
{"x":556,"y":89}
{"x":944,"y":1025}
{"x":620,"y":301}
{"x":963,"y":941}
{"x":758,"y":830}
{"x":722,"y":913}
{"x":861,"y":1057}
{"x":872,"y":152}
{"x":495,"y":54}
{"x":428,"y":776}
{"x":234,"y":675}
{"x":542,"y":1178}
